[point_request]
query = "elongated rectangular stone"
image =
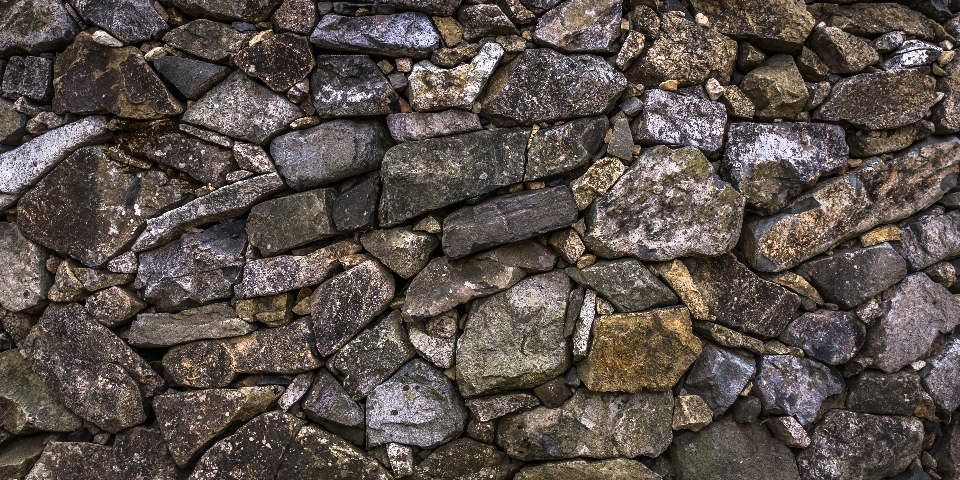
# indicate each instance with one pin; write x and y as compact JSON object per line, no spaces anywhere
{"x":270,"y":276}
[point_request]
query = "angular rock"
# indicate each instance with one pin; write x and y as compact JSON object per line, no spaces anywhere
{"x":779,"y":26}
{"x":930,"y":238}
{"x":24,"y":281}
{"x":29,"y":77}
{"x":944,"y":113}
{"x":616,"y":469}
{"x":452,"y":168}
{"x":356,"y":207}
{"x":908,"y":97}
{"x":401,"y":249}
{"x":251,"y":11}
{"x":684,"y":52}
{"x":842,"y":52}
{"x":515,"y":339}
{"x":408,"y":127}
{"x":772,"y":163}
{"x":484,"y":20}
{"x":680,"y":121}
{"x":283,"y":223}
{"x":507,"y":218}
{"x":114,"y":306}
{"x":776,"y":89}
{"x":350,"y":85}
{"x":433,"y":88}
{"x":347,"y":302}
{"x":314,"y":453}
{"x":329,"y":152}
{"x":435,"y":339}
{"x":880,"y":191}
{"x":279,"y":61}
{"x":12,"y":125}
{"x":544,"y":86}
{"x":130,"y":21}
{"x":20,"y":455}
{"x":730,"y":450}
{"x":492,"y":407}
{"x":795,"y":386}
{"x":196,"y":269}
{"x":829,"y":336}
{"x":139,"y":452}
{"x":440,"y":8}
{"x":372,"y":357}
{"x":328,"y":404}
{"x":270,"y":276}
{"x":30,"y":407}
{"x":637,"y":218}
{"x":942,"y":373}
{"x":899,"y":393}
{"x":91,"y":370}
{"x":211,"y":41}
{"x":465,"y":458}
{"x":607,"y":425}
{"x":445,"y":283}
{"x":853,"y":277}
{"x":192,"y":78}
{"x":166,"y":329}
{"x":913,"y":54}
{"x":576,"y":26}
{"x":719,"y":376}
{"x":595,"y":182}
{"x":878,"y":19}
{"x":255,"y":451}
{"x":201,"y":160}
{"x":626,"y":283}
{"x":407,"y":34}
{"x":567,"y":147}
{"x":34,"y":26}
{"x":870,"y":143}
{"x":691,"y":413}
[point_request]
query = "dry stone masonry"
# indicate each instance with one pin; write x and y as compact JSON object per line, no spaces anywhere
{"x":481,"y":239}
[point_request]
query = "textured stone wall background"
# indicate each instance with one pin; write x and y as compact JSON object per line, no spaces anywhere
{"x":439,"y":239}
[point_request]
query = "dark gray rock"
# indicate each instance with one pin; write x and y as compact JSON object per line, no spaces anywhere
{"x":507,"y":218}
{"x":316,"y":454}
{"x":130,"y":21}
{"x":373,"y":355}
{"x":114,"y":306}
{"x":218,"y":320}
{"x":283,"y":223}
{"x":492,"y":407}
{"x":564,"y":148}
{"x":626,"y":283}
{"x":435,"y":339}
{"x":719,"y":375}
{"x":12,"y":124}
{"x":30,"y":77}
{"x":941,"y":377}
{"x":91,"y":370}
{"x":829,"y":336}
{"x":543,"y":86}
{"x":24,"y":280}
{"x":407,"y":34}
{"x":908,"y":96}
{"x":34,"y":26}
{"x":930,"y":238}
{"x":251,"y":11}
{"x":211,"y":41}
{"x":795,"y":386}
{"x":328,"y":404}
{"x":899,"y":393}
{"x":190,"y":77}
{"x":465,"y":458}
{"x":270,"y":276}
{"x":680,"y":121}
{"x":875,"y":20}
{"x":452,"y":168}
{"x":772,"y":163}
{"x":356,"y":207}
{"x":684,"y":52}
{"x":860,"y":445}
{"x":842,"y":52}
{"x":619,"y":468}
{"x":576,"y":26}
{"x":526,"y":325}
{"x":776,"y":89}
{"x":20,"y":454}
{"x":203,"y":161}
{"x":944,"y":113}
{"x":139,"y":452}
{"x":853,"y":277}
{"x":484,"y":20}
{"x":779,"y":26}
{"x":241,"y":108}
{"x":279,"y":61}
{"x":346,"y":303}
{"x":946,"y":451}
{"x":401,"y":249}
{"x":442,"y":8}
{"x":912,"y":54}
{"x":417,"y":406}
{"x":329,"y":152}
{"x":608,"y":425}
{"x":254,"y":451}
{"x":196,"y":269}
{"x":30,"y":406}
{"x":408,"y":127}
{"x":444,"y":283}
{"x":350,"y":85}
{"x":728,"y":450}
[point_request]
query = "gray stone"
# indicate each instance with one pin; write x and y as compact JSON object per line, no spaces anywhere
{"x":484,"y":20}
{"x":942,"y":375}
{"x":139,"y":452}
{"x":492,"y":407}
{"x":23,"y":166}
{"x":607,"y":425}
{"x":870,"y":143}
{"x":166,"y":329}
{"x":899,"y":393}
{"x":576,"y":26}
{"x":114,"y":306}
{"x":945,"y":113}
{"x":270,"y":276}
{"x":680,"y":121}
{"x":880,"y":191}
{"x":507,"y":218}
{"x":515,"y":339}
{"x":626,"y":283}
{"x":196,"y":269}
{"x":20,"y":454}
{"x":616,"y":469}
{"x":444,"y":283}
{"x":328,"y":404}
{"x":30,"y":407}
{"x":930,"y":238}
{"x":564,"y":148}
{"x":356,"y":207}
{"x":776,"y":89}
{"x":251,"y":11}
{"x":417,"y":406}
{"x":853,"y":277}
{"x":350,"y":85}
{"x":192,"y":78}
{"x":373,"y":355}
{"x":908,"y":96}
{"x":401,"y":249}
{"x":408,"y":127}
{"x":874,"y":20}
{"x":407,"y":34}
{"x":34,"y":26}
{"x":829,"y":336}
{"x":795,"y":386}
{"x":91,"y":370}
{"x":465,"y":458}
{"x":202,"y":161}
{"x":913,"y":54}
{"x":254,"y":451}
{"x":211,"y":41}
{"x":729,"y":450}
{"x":29,"y":77}
{"x":329,"y":152}
{"x":780,"y":25}
{"x":279,"y":61}
{"x":435,"y":339}
{"x":12,"y":125}
{"x":541,"y":85}
{"x":527,"y":255}
{"x":859,"y":445}
{"x":433,"y":88}
{"x":684,"y":52}
{"x":772,"y":163}
{"x":637,"y":217}
{"x":316,"y":454}
{"x":621,"y":140}
{"x":24,"y":280}
{"x":451,"y":168}
{"x":346,"y":303}
{"x":719,"y":376}
{"x":442,"y":8}
{"x":283,"y":223}
{"x":842,"y":52}
{"x":130,"y":21}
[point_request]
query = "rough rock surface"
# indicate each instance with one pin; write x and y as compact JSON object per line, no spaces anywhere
{"x":779,"y":25}
{"x":30,"y":406}
{"x":728,"y":449}
{"x":685,"y":52}
{"x":853,"y":277}
{"x":909,"y":95}
{"x":24,"y":280}
{"x":680,"y":121}
{"x":34,"y":26}
{"x":795,"y":386}
{"x":402,"y":34}
{"x":350,"y":85}
{"x":349,"y":301}
{"x":626,"y":283}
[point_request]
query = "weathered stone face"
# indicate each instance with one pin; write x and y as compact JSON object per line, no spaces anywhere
{"x":908,"y":95}
{"x":34,"y":26}
{"x":685,"y":52}
{"x":780,"y":25}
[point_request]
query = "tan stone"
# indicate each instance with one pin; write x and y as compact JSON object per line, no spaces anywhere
{"x":690,"y":412}
{"x":648,"y":350}
{"x":796,"y":283}
{"x":883,"y":233}
{"x":273,"y":311}
{"x":450,"y":30}
{"x":568,"y":244}
{"x":677,"y":275}
{"x":596,"y":181}
{"x":729,"y":338}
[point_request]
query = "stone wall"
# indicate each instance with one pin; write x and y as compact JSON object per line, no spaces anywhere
{"x":439,"y":239}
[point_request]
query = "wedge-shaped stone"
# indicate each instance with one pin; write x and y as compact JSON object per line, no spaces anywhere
{"x":907,"y":97}
{"x":444,"y":283}
{"x":406,"y":34}
{"x":852,"y":277}
{"x":255,"y":451}
{"x":581,"y":26}
{"x":351,"y":86}
{"x":346,"y":303}
{"x":270,"y":276}
{"x":370,"y":358}
{"x":685,"y":52}
{"x":30,"y":407}
{"x":795,"y":386}
{"x":166,"y":329}
{"x":626,"y":283}
{"x":287,"y":222}
{"x":24,"y":279}
{"x":779,"y":25}
{"x":316,"y":454}
{"x":434,"y":88}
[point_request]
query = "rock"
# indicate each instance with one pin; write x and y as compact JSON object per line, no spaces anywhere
{"x":35,"y":26}
{"x":201,"y":160}
{"x":114,"y":306}
{"x":829,"y":336}
{"x":910,"y":94}
{"x":401,"y":249}
{"x":91,"y":208}
{"x":347,"y":302}
{"x":192,"y":78}
{"x":452,"y":168}
{"x":626,"y":283}
{"x":130,"y":21}
{"x":492,"y":407}
{"x":251,"y":11}
{"x":684,"y":52}
{"x":944,"y":113}
{"x":328,"y":404}
{"x":621,"y":141}
{"x":726,"y":449}
{"x":680,"y":121}
{"x":223,"y":203}
{"x":329,"y":152}
{"x":24,"y":281}
{"x":28,"y":77}
{"x":528,"y":255}
{"x":544,"y":86}
{"x":215,"y":363}
{"x":12,"y":125}
{"x":408,"y":127}
{"x":608,"y":425}
{"x":859,"y":445}
{"x":444,"y":283}
{"x":350,"y":85}
{"x":630,"y":352}
{"x":30,"y":406}
{"x":126,"y":86}
{"x":314,"y":453}
{"x":929,"y":238}
{"x":433,"y":88}
{"x":191,"y":421}
{"x":90,"y":370}
{"x":255,"y":451}
{"x":772,"y":163}
{"x":272,"y":311}
{"x":465,"y":458}
{"x":218,"y":320}
{"x":211,"y":41}
{"x":841,"y":208}
{"x":871,"y":143}
{"x":435,"y":339}
{"x":417,"y":406}
{"x":897,"y":393}
{"x":279,"y":61}
{"x":719,"y":375}
{"x":372,"y":357}
{"x":913,"y":54}
{"x":20,"y":455}
{"x":270,"y":276}
{"x":297,"y":16}
{"x":576,"y":26}
{"x":139,"y":452}
{"x":779,"y":26}
{"x":526,"y":324}
{"x":356,"y":207}
{"x":789,"y":431}
{"x":795,"y":386}
{"x":287,"y":222}
{"x":406,"y":34}
{"x":691,"y":413}
{"x":564,"y":148}
{"x":440,"y":8}
{"x":595,"y":182}
{"x":940,"y":376}
{"x":616,"y":469}
{"x":243,"y":109}
{"x":484,"y":20}
{"x":853,"y":277}
{"x":776,"y":89}
{"x":842,"y":52}
{"x":507,"y":218}
{"x":635,"y":217}
{"x":196,"y":269}
{"x":874,"y":20}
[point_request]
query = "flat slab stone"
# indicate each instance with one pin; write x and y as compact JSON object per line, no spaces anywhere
{"x":346,"y":303}
{"x":445,"y":283}
{"x":251,"y":11}
{"x":203,"y":161}
{"x":138,"y":452}
{"x":907,"y":97}
{"x":408,"y":127}
{"x":852,"y":277}
{"x":626,"y":283}
{"x":680,"y":121}
{"x":779,"y":25}
{"x":219,"y":320}
{"x":130,"y":21}
{"x":287,"y":222}
{"x":24,"y":279}
{"x":209,"y":40}
{"x":930,"y":238}
{"x":315,"y":453}
{"x":35,"y":26}
{"x":270,"y":276}
{"x":407,"y":34}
